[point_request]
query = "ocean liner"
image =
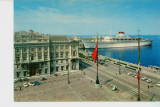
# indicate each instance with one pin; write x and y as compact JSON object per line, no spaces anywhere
{"x":119,"y":41}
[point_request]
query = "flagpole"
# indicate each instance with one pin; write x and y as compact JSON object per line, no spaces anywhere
{"x":97,"y":80}
{"x":138,"y":66}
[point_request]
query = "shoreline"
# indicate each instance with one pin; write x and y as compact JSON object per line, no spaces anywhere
{"x":122,"y":63}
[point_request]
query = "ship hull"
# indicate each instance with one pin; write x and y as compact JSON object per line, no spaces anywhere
{"x":116,"y":44}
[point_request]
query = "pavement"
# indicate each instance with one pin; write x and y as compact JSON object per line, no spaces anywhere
{"x":82,"y":86}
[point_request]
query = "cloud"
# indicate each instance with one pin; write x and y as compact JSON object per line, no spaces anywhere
{"x":53,"y":21}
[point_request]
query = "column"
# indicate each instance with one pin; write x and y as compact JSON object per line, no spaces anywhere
{"x":15,"y":67}
{"x":21,"y":57}
{"x":42,"y":53}
{"x":77,"y":51}
{"x":64,"y":50}
{"x":28,"y":54}
{"x":37,"y":54}
{"x":70,"y":51}
{"x":59,"y":52}
{"x":48,"y":53}
{"x":70,"y":64}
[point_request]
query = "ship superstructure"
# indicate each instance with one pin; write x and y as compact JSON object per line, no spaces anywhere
{"x":119,"y":41}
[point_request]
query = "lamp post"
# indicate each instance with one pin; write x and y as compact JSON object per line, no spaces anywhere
{"x":119,"y":66}
{"x":68,"y":73}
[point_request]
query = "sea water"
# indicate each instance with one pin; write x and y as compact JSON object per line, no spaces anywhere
{"x":148,"y":55}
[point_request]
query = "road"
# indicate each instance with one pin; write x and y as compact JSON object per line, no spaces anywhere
{"x":127,"y":85}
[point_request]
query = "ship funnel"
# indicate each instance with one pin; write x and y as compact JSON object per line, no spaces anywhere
{"x":121,"y":34}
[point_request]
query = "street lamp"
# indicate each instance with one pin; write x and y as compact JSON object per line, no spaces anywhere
{"x":68,"y":73}
{"x":119,"y":66}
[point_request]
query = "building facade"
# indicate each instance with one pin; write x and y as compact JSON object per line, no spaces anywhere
{"x":39,"y":54}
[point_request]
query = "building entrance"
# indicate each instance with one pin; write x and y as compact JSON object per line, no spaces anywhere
{"x":32,"y":69}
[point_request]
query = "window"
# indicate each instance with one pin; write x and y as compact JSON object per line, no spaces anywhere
{"x":57,"y":68}
{"x":45,"y":48}
{"x":61,"y":61}
{"x":67,"y":47}
{"x":51,"y":56}
{"x":39,"y":49}
{"x":52,"y":69}
{"x":39,"y":56}
{"x":24,"y":40}
{"x":18,"y":57}
{"x":67,"y":54}
{"x":61,"y":54}
{"x":46,"y":71}
{"x":56,"y":48}
{"x":17,"y":50}
{"x":56,"y":54}
{"x":32,"y":49}
{"x":45,"y":56}
{"x":67,"y":67}
{"x":74,"y":53}
{"x":56,"y":61}
{"x":25,"y":73}
{"x":24,"y":50}
{"x":74,"y":47}
{"x":62,"y":47}
{"x":25,"y":57}
{"x":52,"y":49}
{"x":18,"y":73}
{"x":62,"y":68}
{"x":40,"y":71}
{"x":32,"y":56}
{"x":18,"y":66}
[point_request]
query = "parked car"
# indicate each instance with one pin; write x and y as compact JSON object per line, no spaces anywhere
{"x":149,"y":81}
{"x":25,"y":85}
{"x":56,"y":75}
{"x":114,"y":88}
{"x":101,"y":62}
{"x":105,"y":64}
{"x":130,"y":73}
{"x":31,"y":84}
{"x":158,"y":84}
{"x":144,"y":78}
{"x":25,"y":79}
{"x":36,"y":82}
{"x":62,"y":74}
{"x":43,"y":79}
{"x":15,"y":80}
{"x":20,"y":79}
{"x":133,"y":75}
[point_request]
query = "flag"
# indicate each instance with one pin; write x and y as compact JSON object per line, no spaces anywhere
{"x":95,"y":53}
{"x":138,"y":75}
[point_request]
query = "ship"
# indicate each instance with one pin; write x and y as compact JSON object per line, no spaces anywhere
{"x":120,"y":40}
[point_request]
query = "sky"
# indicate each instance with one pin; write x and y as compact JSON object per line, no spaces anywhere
{"x":87,"y":17}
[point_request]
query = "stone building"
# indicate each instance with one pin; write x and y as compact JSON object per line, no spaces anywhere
{"x":39,"y":54}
